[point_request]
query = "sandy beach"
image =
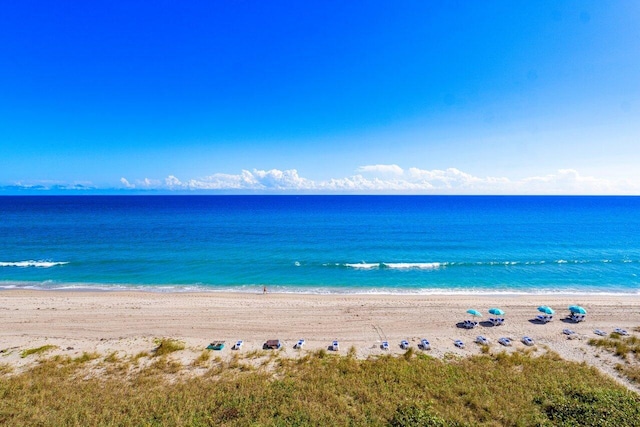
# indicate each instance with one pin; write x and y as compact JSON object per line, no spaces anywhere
{"x":128,"y":322}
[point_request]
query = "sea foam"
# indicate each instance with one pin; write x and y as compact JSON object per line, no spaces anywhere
{"x":32,"y":263}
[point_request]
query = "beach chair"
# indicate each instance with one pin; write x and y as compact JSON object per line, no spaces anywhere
{"x":528,"y":341}
{"x":505,"y":341}
{"x":384,"y":345}
{"x":404,"y":344}
{"x":568,"y":332}
{"x":238,"y":345}
{"x":544,"y":318}
{"x":576,"y":317}
{"x":272,"y":345}
{"x":299,"y":344}
{"x":620,"y":331}
{"x":600,"y":332}
{"x":500,"y":321}
{"x":334,"y":346}
{"x":424,"y":344}
{"x":470,"y":324}
{"x":494,"y":321}
{"x":482,"y":340}
{"x":216,"y":345}
{"x":458,"y":343}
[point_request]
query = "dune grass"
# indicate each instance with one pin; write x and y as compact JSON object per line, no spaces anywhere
{"x":167,"y":346}
{"x":624,"y":348}
{"x":37,"y":350}
{"x":320,"y":389}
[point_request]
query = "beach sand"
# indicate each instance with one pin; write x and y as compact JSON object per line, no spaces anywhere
{"x":128,"y":322}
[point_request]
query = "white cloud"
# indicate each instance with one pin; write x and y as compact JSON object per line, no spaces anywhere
{"x":396,"y":180}
{"x":381,"y":169}
{"x":569,"y":181}
{"x":46,"y":185}
{"x":126,"y":183}
{"x":149,"y":183}
{"x":375,"y":179}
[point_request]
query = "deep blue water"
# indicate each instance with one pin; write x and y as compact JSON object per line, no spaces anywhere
{"x":322,"y":243}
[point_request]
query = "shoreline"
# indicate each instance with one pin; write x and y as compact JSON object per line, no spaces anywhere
{"x":16,"y":286}
{"x":128,"y":322}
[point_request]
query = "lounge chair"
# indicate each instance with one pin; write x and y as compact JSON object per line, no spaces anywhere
{"x":505,"y":341}
{"x":544,"y":318}
{"x":334,"y":346}
{"x":527,"y":341}
{"x":237,"y":345}
{"x":404,"y":344}
{"x":621,"y":331}
{"x":497,"y":321}
{"x":216,"y":345}
{"x":469,"y":324}
{"x":458,"y":343}
{"x":600,"y":332}
{"x":272,"y":345}
{"x":482,"y":340}
{"x":424,"y":344}
{"x":299,"y":344}
{"x":577,"y":317}
{"x":384,"y":345}
{"x":568,"y":332}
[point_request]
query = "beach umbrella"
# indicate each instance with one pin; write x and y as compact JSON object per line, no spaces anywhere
{"x":475,"y":313}
{"x":577,"y":309}
{"x":546,"y":309}
{"x":496,"y":311}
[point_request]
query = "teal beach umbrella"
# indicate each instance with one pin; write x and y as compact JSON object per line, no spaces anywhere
{"x":496,"y":311}
{"x":475,"y":313}
{"x":546,"y":309}
{"x":577,"y":309}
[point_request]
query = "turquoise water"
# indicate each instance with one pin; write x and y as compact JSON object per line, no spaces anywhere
{"x":368,"y":244}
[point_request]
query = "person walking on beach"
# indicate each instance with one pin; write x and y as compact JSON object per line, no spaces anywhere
{"x":264,"y":289}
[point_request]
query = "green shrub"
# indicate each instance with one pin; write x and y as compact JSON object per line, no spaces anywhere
{"x":417,"y":416}
{"x":586,"y":408}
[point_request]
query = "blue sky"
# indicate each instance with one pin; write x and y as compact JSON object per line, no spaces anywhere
{"x":495,"y":97}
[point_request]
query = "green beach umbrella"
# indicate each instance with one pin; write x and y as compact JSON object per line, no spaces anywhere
{"x":475,"y":313}
{"x":577,"y":309}
{"x":546,"y":309}
{"x":496,"y":311}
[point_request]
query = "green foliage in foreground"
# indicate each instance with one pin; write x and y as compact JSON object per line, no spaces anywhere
{"x":317,"y":389}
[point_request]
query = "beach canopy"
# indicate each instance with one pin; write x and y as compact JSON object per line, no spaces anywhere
{"x":546,"y":309}
{"x":577,"y":309}
{"x":496,"y":311}
{"x":474,"y":312}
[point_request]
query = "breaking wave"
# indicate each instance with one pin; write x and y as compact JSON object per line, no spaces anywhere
{"x":32,"y":263}
{"x":437,"y":265}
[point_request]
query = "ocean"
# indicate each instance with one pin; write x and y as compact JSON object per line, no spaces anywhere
{"x":322,"y":244}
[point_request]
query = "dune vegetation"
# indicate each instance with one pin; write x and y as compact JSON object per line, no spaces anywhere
{"x":627,"y":349}
{"x":315,"y":389}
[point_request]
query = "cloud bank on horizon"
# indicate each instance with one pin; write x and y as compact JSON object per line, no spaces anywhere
{"x":369,"y":179}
